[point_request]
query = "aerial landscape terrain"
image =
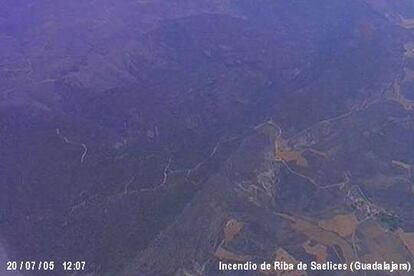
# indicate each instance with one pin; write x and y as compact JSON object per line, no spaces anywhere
{"x":165,"y":137}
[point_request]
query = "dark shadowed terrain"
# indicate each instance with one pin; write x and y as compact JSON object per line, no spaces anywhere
{"x":157,"y":138}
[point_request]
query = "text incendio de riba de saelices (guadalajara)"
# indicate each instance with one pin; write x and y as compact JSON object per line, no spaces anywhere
{"x":315,"y":266}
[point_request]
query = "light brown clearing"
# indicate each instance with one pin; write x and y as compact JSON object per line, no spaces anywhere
{"x":408,"y":240}
{"x":232,"y":229}
{"x":327,"y":238}
{"x":384,"y":244}
{"x":318,"y":234}
{"x":319,"y":251}
{"x":344,"y":224}
{"x":285,"y":153}
{"x":282,"y":255}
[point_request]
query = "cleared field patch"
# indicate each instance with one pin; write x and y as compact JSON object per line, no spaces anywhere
{"x":384,"y":244}
{"x":281,"y":255}
{"x":319,"y":251}
{"x":320,"y":235}
{"x":285,"y":153}
{"x":407,"y":239}
{"x":325,"y":237}
{"x":232,"y":229}
{"x":344,"y":225}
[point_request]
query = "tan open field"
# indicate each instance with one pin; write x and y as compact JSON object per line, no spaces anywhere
{"x":283,"y":152}
{"x":232,"y":229}
{"x":344,"y":224}
{"x":384,"y":245}
{"x":319,"y":251}
{"x":407,"y":239}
